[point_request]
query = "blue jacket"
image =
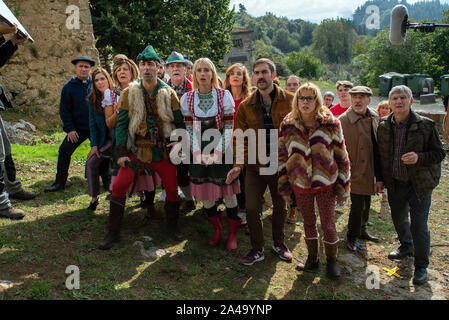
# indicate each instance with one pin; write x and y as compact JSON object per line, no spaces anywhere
{"x":98,"y":128}
{"x":73,"y":108}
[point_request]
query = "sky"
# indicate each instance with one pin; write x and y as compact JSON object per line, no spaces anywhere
{"x":309,"y":10}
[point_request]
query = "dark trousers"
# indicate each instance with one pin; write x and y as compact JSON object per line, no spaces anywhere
{"x":255,"y":188}
{"x":241,"y":196}
{"x":10,"y":168}
{"x":358,"y":215}
{"x":414,"y":232}
{"x":65,"y":154}
{"x":183,"y":175}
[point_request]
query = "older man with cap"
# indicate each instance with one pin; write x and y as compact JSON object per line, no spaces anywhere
{"x":411,"y":153}
{"x":148,"y":113}
{"x":343,"y":88}
{"x":359,"y":125}
{"x":176,"y":67}
{"x":74,"y":113}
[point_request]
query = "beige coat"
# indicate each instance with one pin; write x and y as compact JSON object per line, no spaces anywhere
{"x":357,"y":134}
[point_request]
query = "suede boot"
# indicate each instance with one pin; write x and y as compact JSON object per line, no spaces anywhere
{"x":117,"y":209}
{"x":312,"y":261}
{"x":333,"y":271}
{"x":172,"y":214}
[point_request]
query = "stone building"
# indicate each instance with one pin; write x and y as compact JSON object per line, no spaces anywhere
{"x":241,"y":50}
{"x":35,"y":75}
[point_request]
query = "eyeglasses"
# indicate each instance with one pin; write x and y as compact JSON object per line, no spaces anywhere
{"x":307,"y":98}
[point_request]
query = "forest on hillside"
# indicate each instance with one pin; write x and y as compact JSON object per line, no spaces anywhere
{"x":345,"y":49}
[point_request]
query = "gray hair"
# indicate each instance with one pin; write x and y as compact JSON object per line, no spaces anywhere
{"x":401,"y":89}
{"x":330,"y":94}
{"x":294,"y":77}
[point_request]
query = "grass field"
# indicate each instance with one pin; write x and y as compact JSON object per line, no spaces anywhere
{"x":59,"y":232}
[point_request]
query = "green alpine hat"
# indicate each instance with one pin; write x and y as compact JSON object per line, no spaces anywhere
{"x":175,"y":57}
{"x":148,"y":54}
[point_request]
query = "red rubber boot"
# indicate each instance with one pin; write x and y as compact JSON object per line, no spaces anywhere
{"x":218,"y":228}
{"x":233,"y":227}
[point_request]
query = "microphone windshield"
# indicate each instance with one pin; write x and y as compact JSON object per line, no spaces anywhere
{"x":398,"y":24}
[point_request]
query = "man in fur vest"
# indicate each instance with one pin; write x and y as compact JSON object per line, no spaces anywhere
{"x":148,"y":112}
{"x":359,"y":125}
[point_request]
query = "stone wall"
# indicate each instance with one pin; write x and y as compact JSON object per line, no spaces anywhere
{"x":37,"y":72}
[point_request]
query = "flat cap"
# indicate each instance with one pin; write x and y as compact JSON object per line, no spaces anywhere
{"x":84,"y":58}
{"x":362,"y":90}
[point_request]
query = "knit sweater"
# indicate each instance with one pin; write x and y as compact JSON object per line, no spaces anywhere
{"x":313,"y":159}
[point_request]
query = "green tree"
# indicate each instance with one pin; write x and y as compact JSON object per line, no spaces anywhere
{"x":333,"y":40}
{"x":382,"y":57}
{"x":194,"y":27}
{"x":436,"y":48}
{"x":262,"y":50}
{"x":305,"y":65}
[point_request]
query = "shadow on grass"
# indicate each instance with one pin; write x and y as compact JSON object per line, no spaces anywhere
{"x":75,"y":187}
{"x":35,"y":253}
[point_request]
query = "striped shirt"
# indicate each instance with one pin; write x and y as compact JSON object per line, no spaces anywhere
{"x":399,"y":141}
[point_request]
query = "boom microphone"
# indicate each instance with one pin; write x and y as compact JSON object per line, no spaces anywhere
{"x":398,"y":24}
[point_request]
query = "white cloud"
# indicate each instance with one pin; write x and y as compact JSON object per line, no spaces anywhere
{"x":309,"y":10}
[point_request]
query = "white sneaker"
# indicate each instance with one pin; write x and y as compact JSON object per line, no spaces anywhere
{"x":242,"y":216}
{"x":181,"y":194}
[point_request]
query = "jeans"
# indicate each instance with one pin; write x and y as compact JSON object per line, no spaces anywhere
{"x":414,"y":232}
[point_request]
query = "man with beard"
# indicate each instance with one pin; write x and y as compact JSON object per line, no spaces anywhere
{"x":359,"y":125}
{"x":176,"y":69}
{"x":148,"y":113}
{"x":264,"y":109}
{"x":343,"y":88}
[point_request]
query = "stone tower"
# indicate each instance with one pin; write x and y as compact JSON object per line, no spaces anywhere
{"x":35,"y":75}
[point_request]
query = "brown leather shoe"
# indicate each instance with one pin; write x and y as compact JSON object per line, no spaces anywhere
{"x":351,"y":246}
{"x":23,"y":195}
{"x":12,"y":213}
{"x":366,"y":236}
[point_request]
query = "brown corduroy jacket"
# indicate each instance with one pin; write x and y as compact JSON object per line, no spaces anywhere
{"x":250,"y":116}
